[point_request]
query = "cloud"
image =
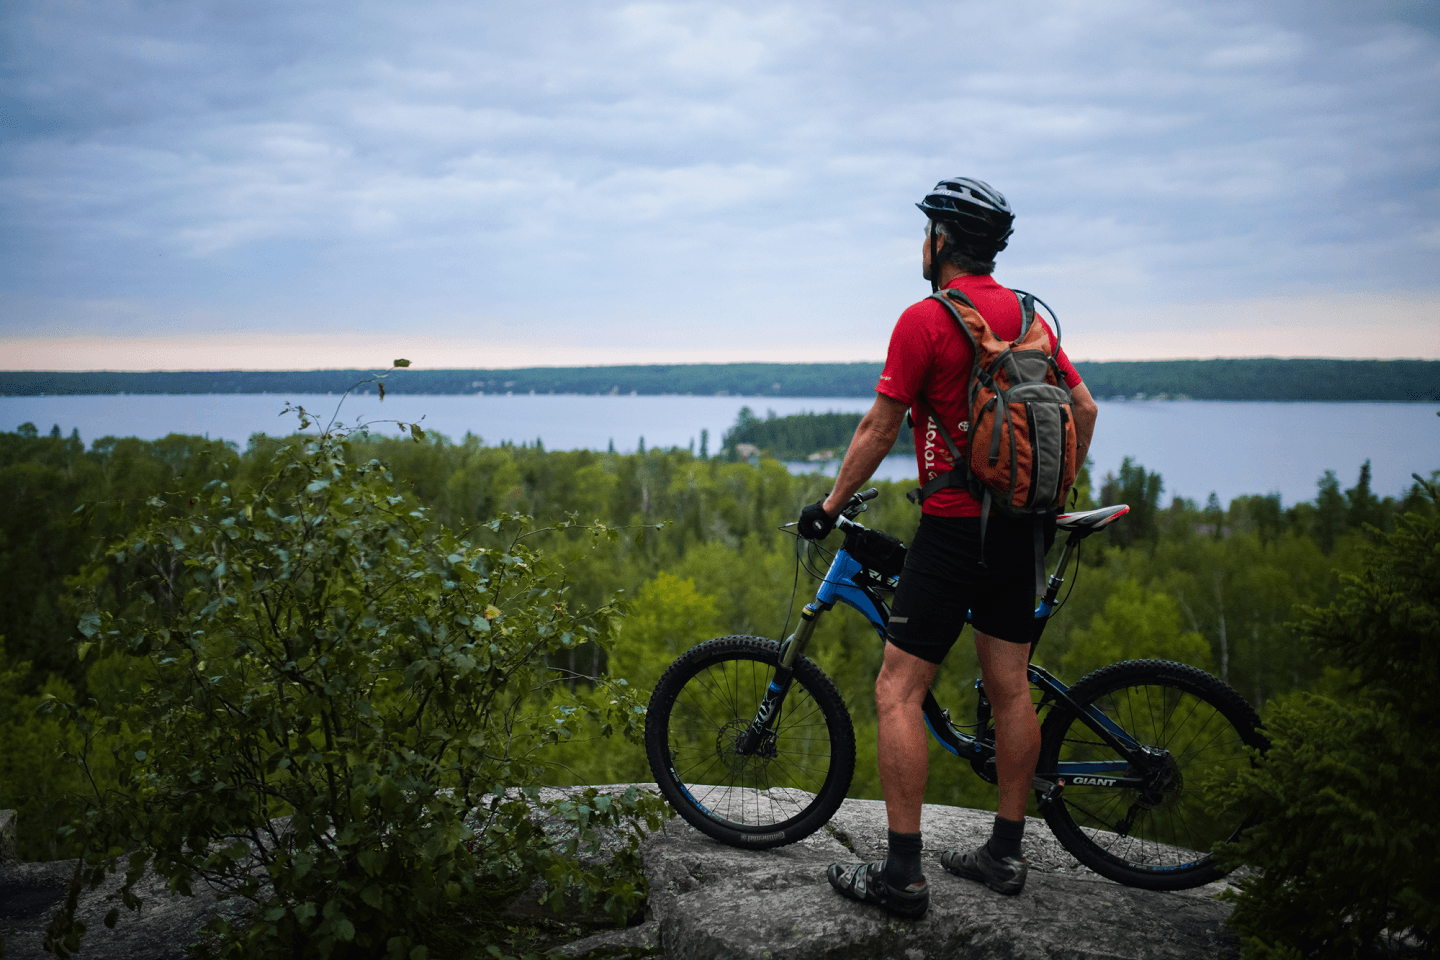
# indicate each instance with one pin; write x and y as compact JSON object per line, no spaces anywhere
{"x":734,"y":175}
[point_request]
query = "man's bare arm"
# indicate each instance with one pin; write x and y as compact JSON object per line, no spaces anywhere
{"x":1085,"y":413}
{"x":872,"y":443}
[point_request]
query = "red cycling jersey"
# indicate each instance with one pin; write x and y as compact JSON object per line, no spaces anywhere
{"x":930,"y":357}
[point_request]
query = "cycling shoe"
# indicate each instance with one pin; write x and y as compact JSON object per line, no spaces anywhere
{"x":1003,"y":875}
{"x":866,"y":882}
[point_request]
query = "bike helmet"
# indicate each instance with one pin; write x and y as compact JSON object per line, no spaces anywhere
{"x":974,"y":208}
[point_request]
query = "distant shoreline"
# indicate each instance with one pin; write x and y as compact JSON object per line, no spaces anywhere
{"x":1346,"y":381}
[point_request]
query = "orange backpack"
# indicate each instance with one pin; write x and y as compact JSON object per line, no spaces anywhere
{"x":1020,"y":440}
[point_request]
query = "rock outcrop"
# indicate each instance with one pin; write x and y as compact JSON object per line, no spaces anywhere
{"x":708,"y":900}
{"x":7,"y":835}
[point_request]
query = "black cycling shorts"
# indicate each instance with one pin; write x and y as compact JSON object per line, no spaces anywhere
{"x":943,"y":580}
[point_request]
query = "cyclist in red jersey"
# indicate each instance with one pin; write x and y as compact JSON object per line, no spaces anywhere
{"x":946,"y":575}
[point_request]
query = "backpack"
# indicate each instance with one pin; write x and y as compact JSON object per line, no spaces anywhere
{"x":1020,"y":451}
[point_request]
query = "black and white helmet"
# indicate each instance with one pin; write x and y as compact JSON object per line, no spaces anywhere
{"x":974,"y":208}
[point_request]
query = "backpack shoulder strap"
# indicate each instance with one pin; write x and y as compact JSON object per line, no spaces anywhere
{"x":957,"y":476}
{"x":948,"y":298}
{"x":1054,"y":320}
{"x":1027,"y":312}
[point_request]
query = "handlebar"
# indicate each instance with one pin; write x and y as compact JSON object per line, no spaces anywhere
{"x":856,"y":505}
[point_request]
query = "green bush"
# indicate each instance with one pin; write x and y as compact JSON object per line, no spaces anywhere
{"x":1346,"y":845}
{"x":34,"y":780}
{"x":338,"y":711}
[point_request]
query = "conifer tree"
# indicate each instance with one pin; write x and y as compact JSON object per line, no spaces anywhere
{"x":1345,"y":794}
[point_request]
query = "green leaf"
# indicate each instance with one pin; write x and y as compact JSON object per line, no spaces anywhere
{"x":402,"y":363}
{"x":112,"y":917}
{"x":416,"y":432}
{"x":345,"y":930}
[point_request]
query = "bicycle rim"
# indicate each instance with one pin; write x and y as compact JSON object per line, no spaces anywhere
{"x":1160,"y":837}
{"x":778,"y":794}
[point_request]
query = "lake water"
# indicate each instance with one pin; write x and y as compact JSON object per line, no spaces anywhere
{"x":1197,"y":446}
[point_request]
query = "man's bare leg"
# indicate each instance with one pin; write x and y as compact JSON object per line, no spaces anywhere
{"x":1017,"y":730}
{"x":1000,"y":862}
{"x":904,"y":754}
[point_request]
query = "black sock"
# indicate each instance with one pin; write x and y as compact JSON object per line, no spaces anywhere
{"x":1005,"y":839}
{"x":902,"y":865}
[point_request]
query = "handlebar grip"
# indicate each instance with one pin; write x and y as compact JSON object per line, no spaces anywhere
{"x":870,"y":494}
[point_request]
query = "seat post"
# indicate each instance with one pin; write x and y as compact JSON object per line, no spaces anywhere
{"x":1057,"y":579}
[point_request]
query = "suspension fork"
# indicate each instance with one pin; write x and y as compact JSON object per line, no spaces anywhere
{"x":768,"y":714}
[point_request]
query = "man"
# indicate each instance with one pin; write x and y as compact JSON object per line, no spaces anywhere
{"x":948,"y":569}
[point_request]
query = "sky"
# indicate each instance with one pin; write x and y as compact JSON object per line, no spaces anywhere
{"x":310,"y":184}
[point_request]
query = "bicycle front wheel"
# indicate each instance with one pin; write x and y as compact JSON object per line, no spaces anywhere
{"x":1156,"y":829}
{"x":780,"y":792}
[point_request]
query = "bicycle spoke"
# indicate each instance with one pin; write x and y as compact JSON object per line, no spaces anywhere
{"x":1166,"y":827}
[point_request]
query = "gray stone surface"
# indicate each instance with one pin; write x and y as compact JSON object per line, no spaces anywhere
{"x":633,"y":943}
{"x":7,"y":835}
{"x":711,"y":900}
{"x":30,"y":893}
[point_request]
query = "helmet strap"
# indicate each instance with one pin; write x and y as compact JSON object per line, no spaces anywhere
{"x":934,"y":259}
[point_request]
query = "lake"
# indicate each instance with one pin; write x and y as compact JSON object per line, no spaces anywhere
{"x":1197,"y":446}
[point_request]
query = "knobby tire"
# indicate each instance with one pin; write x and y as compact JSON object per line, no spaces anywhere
{"x":774,"y":796}
{"x":1158,"y":839}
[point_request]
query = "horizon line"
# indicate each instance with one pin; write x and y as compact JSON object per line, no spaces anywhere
{"x":735,"y":363}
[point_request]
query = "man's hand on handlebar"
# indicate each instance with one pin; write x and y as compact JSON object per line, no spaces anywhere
{"x":816,"y":523}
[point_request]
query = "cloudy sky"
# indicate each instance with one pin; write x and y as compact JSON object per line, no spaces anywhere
{"x":303,"y":184}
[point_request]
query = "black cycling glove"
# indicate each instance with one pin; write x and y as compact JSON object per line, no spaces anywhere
{"x":815,"y":523}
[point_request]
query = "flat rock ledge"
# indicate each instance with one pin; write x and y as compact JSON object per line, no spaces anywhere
{"x":709,"y":900}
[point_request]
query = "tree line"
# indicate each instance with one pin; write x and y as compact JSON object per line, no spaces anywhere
{"x":135,"y":567}
{"x":1401,"y":381}
{"x":798,"y":436}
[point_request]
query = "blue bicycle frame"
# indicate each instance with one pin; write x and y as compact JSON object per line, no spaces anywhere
{"x":848,"y":582}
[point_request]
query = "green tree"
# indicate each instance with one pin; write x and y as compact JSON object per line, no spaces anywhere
{"x":1141,"y":490}
{"x":1364,"y":506}
{"x":1137,"y":624}
{"x":668,"y":617}
{"x":34,"y":779}
{"x":1346,"y":838}
{"x":315,"y":648}
{"x":1331,"y":512}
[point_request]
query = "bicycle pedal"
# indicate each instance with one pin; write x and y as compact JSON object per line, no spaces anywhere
{"x":1048,"y":790}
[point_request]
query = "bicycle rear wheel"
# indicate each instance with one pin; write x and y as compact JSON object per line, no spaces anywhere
{"x":1198,"y":732}
{"x":782,"y":792}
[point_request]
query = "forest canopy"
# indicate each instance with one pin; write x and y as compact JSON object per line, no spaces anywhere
{"x":674,"y":548}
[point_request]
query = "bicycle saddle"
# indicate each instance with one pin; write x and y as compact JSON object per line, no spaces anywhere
{"x":1091,"y":520}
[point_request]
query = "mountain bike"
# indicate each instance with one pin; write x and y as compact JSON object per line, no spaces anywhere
{"x":753,"y":745}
